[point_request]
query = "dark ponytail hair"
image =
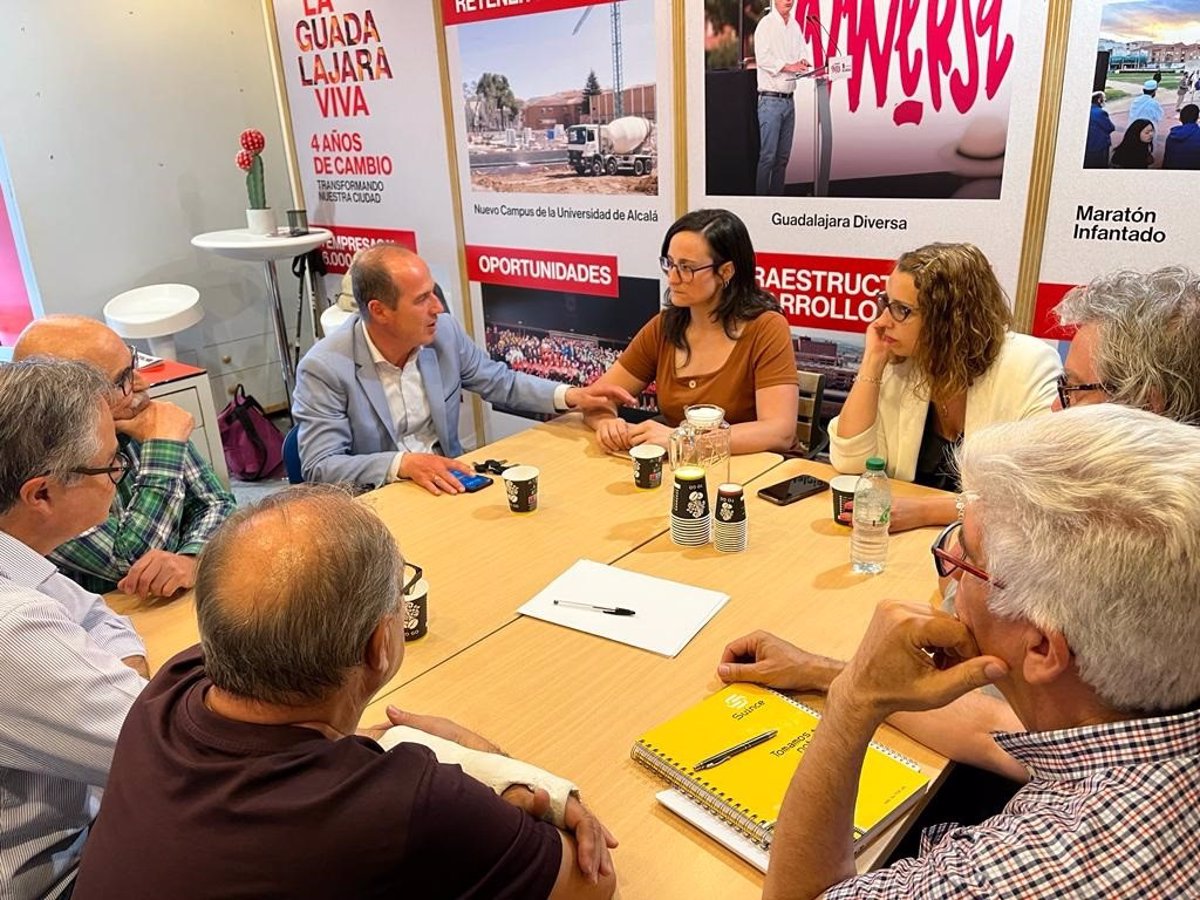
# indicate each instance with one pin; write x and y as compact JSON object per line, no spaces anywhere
{"x":741,"y":298}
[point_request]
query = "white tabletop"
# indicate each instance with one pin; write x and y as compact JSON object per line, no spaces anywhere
{"x":239,"y":243}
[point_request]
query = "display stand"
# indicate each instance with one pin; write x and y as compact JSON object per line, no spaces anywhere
{"x":837,"y":68}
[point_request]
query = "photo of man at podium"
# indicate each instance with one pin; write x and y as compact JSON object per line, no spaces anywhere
{"x":779,"y":45}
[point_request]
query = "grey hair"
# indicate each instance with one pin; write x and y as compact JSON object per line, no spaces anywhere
{"x":1148,"y":337}
{"x":318,"y":609}
{"x":49,"y":409}
{"x":371,"y":279}
{"x":1089,"y":521}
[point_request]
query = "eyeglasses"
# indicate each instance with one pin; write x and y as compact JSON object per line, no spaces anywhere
{"x":115,"y":470}
{"x":686,"y":270}
{"x":124,"y":382}
{"x":1065,"y":390}
{"x":410,"y":582}
{"x":946,"y":562}
{"x":900,"y":311}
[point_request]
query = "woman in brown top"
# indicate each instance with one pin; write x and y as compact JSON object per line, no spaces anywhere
{"x":720,"y":339}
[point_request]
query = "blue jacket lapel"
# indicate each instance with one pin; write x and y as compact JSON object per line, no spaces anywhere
{"x":368,"y":380}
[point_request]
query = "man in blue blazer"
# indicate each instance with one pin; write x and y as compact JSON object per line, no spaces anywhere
{"x":378,"y":399}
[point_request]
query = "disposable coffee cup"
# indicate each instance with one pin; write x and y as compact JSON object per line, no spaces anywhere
{"x":731,"y":504}
{"x":842,"y":487}
{"x":521,"y":484}
{"x":416,"y":611}
{"x":297,"y":221}
{"x":690,"y":499}
{"x":647,"y":465}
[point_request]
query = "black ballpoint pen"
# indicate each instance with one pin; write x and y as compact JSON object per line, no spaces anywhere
{"x":717,"y":758}
{"x":611,"y":610}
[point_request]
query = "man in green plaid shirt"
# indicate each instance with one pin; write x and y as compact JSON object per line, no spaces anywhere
{"x":169,"y":502}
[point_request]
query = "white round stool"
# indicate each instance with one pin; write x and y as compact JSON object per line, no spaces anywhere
{"x":155,"y":312}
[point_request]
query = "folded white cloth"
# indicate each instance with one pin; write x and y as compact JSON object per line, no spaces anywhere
{"x":493,"y":769}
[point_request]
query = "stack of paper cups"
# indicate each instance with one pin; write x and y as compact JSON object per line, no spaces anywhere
{"x":690,"y":520}
{"x":729,"y":525}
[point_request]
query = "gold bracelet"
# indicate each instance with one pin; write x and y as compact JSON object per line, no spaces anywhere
{"x":868,"y":379}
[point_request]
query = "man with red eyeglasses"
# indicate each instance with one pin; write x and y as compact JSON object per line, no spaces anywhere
{"x":1078,"y":565}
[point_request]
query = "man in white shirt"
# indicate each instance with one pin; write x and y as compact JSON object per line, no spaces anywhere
{"x":378,"y":399}
{"x":69,"y":668}
{"x":1147,"y":106}
{"x":778,"y":44}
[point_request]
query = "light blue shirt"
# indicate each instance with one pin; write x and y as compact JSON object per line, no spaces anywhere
{"x":64,"y":693}
{"x":1146,"y":107}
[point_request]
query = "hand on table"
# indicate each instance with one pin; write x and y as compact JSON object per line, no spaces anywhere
{"x":592,"y":841}
{"x":907,"y":513}
{"x":159,"y":573}
{"x":156,"y":419}
{"x":914,"y":658}
{"x":597,"y":397}
{"x":443,"y":728}
{"x":762,"y":658}
{"x":613,"y":434}
{"x":433,"y":472}
{"x":650,"y":432}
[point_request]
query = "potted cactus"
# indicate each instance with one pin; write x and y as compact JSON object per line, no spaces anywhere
{"x":259,"y":216}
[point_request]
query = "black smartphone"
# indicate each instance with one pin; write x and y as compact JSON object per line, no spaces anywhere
{"x":793,"y":489}
{"x":472,"y":483}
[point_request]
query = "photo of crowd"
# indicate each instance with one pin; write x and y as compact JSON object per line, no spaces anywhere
{"x":1143,"y":112}
{"x":566,"y":337}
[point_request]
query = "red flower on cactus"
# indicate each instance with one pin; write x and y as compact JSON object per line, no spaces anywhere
{"x":244,"y":159}
{"x":253,"y":141}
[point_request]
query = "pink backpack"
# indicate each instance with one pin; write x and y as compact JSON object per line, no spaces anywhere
{"x":253,"y":446}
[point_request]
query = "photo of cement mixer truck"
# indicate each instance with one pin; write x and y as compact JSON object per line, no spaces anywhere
{"x":622,"y":147}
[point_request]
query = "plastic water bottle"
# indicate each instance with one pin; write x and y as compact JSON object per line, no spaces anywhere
{"x":872,"y":514}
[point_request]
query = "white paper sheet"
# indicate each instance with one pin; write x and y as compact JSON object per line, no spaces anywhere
{"x":668,"y":614}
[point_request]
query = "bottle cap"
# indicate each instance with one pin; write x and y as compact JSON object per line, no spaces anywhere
{"x":876,"y":464}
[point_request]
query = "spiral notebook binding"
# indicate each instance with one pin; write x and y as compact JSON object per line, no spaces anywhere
{"x":701,"y":792}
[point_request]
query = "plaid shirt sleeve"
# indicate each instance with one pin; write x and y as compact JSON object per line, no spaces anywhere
{"x":206,"y":503}
{"x":171,"y":500}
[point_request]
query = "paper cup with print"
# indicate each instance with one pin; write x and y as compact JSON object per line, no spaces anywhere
{"x":521,"y":485}
{"x":842,"y":487}
{"x":731,"y":504}
{"x":690,"y":500}
{"x":647,"y":465}
{"x":416,"y":611}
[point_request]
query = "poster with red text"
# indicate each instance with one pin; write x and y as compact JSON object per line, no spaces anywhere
{"x":364,"y":90}
{"x":1128,"y":147}
{"x":563,"y":123}
{"x":845,"y":132}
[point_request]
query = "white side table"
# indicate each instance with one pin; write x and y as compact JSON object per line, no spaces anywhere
{"x":239,"y":243}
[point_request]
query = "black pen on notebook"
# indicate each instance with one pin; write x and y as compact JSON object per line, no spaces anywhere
{"x":611,"y":610}
{"x":725,"y":755}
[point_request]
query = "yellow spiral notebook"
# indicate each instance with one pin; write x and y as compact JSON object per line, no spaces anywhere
{"x":747,"y":790}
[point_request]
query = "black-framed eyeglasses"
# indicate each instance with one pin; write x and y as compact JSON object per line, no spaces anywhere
{"x":115,"y":470}
{"x":410,"y":581}
{"x":1065,"y":390}
{"x":946,"y":562}
{"x":686,"y":270}
{"x":899,"y":311}
{"x":124,"y":382}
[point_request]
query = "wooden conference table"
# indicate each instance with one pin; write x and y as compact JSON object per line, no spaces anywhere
{"x":481,"y":560}
{"x":574,"y":703}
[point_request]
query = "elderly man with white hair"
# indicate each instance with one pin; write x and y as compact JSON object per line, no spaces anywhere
{"x":1078,"y":566}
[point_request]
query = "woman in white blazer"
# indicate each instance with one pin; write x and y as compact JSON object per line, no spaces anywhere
{"x":939,"y":363}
